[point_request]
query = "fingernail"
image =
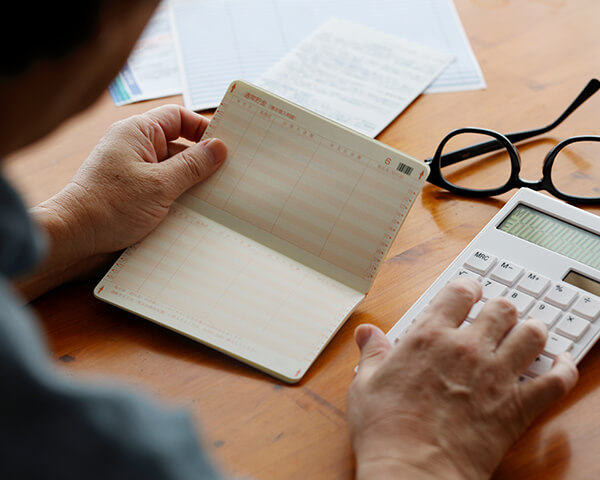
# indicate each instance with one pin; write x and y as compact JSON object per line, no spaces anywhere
{"x":362,"y":334}
{"x":217,"y":150}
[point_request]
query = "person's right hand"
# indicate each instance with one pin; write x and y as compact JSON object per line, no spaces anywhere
{"x":446,"y":402}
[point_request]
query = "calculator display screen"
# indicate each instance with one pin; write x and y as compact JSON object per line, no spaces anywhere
{"x":554,"y":234}
{"x":583,"y":282}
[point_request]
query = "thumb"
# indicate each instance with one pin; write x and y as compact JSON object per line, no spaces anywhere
{"x":193,"y":164}
{"x":374,"y":347}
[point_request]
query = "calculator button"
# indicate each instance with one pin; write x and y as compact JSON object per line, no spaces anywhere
{"x":475,"y":311}
{"x":464,"y":273}
{"x":540,"y":365}
{"x":507,"y":273}
{"x":572,"y":326}
{"x":545,"y":313}
{"x":491,"y":289}
{"x":557,"y":344}
{"x":522,"y":301}
{"x":480,"y":262}
{"x":533,"y":284}
{"x":561,"y":295}
{"x":588,"y":307}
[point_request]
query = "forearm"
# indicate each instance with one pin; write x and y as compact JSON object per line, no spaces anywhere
{"x":70,"y":248}
{"x":122,"y":191}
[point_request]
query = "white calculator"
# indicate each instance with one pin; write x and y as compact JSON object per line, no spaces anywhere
{"x":544,"y":256}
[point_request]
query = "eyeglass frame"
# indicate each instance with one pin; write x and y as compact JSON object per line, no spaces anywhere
{"x":441,"y":160}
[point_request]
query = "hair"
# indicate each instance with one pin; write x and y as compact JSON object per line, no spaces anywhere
{"x":44,"y":31}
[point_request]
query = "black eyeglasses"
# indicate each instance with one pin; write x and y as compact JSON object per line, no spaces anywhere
{"x":466,"y":161}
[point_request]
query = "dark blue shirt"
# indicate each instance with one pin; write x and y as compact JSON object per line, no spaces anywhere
{"x":54,"y":428}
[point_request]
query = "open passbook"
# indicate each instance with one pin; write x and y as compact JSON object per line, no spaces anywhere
{"x":266,"y":259}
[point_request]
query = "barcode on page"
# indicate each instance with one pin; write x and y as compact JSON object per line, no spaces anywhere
{"x":405,"y":169}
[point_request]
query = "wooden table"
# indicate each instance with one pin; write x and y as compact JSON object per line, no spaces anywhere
{"x":536,"y":55}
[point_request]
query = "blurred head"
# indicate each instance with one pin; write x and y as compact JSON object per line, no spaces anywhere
{"x":58,"y":58}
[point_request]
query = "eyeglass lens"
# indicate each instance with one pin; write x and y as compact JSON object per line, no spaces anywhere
{"x":576,"y":170}
{"x":482,"y":172}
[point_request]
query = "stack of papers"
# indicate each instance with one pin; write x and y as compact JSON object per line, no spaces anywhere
{"x":197,"y":47}
{"x":152,"y":70}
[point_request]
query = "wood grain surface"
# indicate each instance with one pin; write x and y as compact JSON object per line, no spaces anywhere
{"x":536,"y":55}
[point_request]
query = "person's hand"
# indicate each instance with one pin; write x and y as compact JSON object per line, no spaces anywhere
{"x":126,"y":186}
{"x":124,"y":189}
{"x":445,"y":402}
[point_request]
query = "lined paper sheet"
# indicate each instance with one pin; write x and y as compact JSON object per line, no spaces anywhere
{"x":220,"y":40}
{"x":304,"y":181}
{"x":355,"y":75}
{"x":214,"y":285}
{"x":266,"y":259}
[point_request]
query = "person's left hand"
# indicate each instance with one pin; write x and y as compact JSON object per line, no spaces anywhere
{"x":127,"y":184}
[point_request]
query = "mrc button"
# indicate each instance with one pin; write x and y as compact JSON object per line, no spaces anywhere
{"x":480,"y":262}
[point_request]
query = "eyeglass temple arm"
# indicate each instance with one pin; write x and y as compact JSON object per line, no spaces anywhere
{"x":456,"y":156}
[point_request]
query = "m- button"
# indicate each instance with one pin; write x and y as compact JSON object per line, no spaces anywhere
{"x":480,"y":262}
{"x":507,"y":273}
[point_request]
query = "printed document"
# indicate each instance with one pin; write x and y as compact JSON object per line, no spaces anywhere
{"x":151,"y":71}
{"x":355,"y":75}
{"x":220,"y":40}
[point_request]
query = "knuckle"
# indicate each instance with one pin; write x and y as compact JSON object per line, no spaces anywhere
{"x":161,"y":110}
{"x":424,"y":336}
{"x":156,"y":115}
{"x":114,"y":130}
{"x":468,"y":349}
{"x":122,"y":130}
{"x":123,"y":125}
